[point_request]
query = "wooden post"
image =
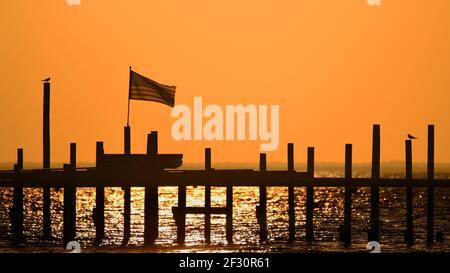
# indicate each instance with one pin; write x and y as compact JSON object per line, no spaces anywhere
{"x":409,"y":235}
{"x":430,"y":189}
{"x":151,"y":215}
{"x":347,"y":233}
{"x":46,"y":160}
{"x":126,"y":192}
{"x":261,"y":210}
{"x":46,"y":213}
{"x":310,"y":162}
{"x":16,"y":213}
{"x":229,"y":217}
{"x":151,"y":209}
{"x":208,"y":198}
{"x":180,"y":217}
{"x":99,"y":210}
{"x":291,"y":194}
{"x":127,"y":140}
{"x":20,"y":159}
{"x":374,"y":233}
{"x":73,"y":155}
{"x":152,"y":143}
{"x":310,"y":198}
{"x":69,"y":225}
{"x":46,"y":126}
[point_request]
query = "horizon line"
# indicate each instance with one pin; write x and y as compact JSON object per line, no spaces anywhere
{"x":240,"y":163}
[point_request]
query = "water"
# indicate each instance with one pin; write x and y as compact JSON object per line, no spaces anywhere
{"x":327,"y":217}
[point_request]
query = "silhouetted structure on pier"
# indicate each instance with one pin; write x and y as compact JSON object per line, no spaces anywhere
{"x":46,"y":159}
{"x":152,"y":170}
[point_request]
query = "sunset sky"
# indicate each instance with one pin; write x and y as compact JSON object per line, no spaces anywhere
{"x":335,"y":67}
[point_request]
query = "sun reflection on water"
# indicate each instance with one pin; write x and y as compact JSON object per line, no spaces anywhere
{"x":328,"y":215}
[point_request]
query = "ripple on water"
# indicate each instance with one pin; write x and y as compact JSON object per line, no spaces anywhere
{"x":328,"y":215}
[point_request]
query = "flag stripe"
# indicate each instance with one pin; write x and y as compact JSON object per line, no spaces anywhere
{"x":151,"y":97}
{"x":148,"y":97}
{"x":166,"y":89}
{"x":156,"y":99}
{"x":135,"y":89}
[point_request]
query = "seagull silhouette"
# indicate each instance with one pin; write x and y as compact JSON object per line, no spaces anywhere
{"x":46,"y":80}
{"x":411,"y":137}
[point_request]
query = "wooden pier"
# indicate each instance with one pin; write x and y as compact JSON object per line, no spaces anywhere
{"x":152,"y":170}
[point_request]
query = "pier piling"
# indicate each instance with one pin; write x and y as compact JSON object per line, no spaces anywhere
{"x":151,"y":209}
{"x":16,"y":213}
{"x":20,"y":159}
{"x":374,"y":232}
{"x":409,"y":235}
{"x":261,"y":210}
{"x":310,"y":198}
{"x":208,"y":198}
{"x":291,"y":194}
{"x":99,"y":210}
{"x":46,"y":161}
{"x":69,"y":224}
{"x":229,"y":216}
{"x":430,"y":188}
{"x":151,"y":218}
{"x":347,"y":232}
{"x":126,"y":192}
{"x":180,"y":216}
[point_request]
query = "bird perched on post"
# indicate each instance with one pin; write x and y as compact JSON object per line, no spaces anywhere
{"x":411,"y":137}
{"x":46,"y":80}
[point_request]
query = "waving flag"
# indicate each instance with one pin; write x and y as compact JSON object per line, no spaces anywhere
{"x":143,"y":88}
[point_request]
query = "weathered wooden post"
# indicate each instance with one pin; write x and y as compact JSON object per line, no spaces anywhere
{"x":229,"y":216}
{"x":127,"y":140}
{"x":46,"y":160}
{"x":261,"y":210}
{"x":73,"y":155}
{"x":374,"y":233}
{"x":310,"y":198}
{"x":46,"y":126}
{"x":310,"y":162}
{"x":16,"y":213}
{"x":208,"y":198}
{"x":151,"y":215}
{"x":151,"y":209}
{"x":409,"y":234}
{"x":69,"y":225}
{"x":291,"y":194}
{"x":99,"y":210}
{"x":347,"y":232}
{"x":430,"y":189}
{"x":20,"y":159}
{"x":126,"y":192}
{"x":180,"y":217}
{"x":152,"y":143}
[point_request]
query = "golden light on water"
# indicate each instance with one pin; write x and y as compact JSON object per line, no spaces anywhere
{"x":328,"y":215}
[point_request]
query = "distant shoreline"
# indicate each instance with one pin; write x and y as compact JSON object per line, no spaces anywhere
{"x":387,"y":166}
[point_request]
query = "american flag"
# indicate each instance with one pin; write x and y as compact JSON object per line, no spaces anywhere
{"x":143,"y":88}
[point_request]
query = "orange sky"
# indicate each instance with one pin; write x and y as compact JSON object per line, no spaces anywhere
{"x":334,"y":67}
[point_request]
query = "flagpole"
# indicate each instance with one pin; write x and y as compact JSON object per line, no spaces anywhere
{"x":129,"y":90}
